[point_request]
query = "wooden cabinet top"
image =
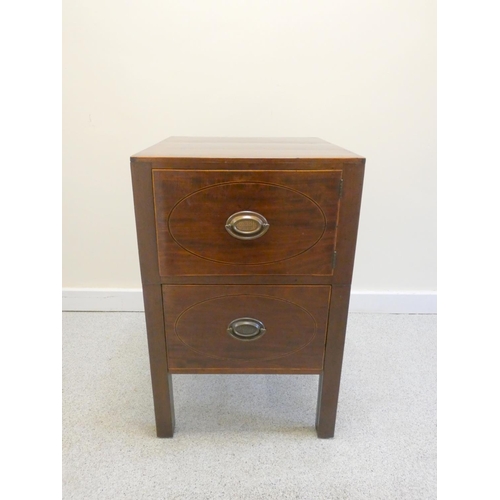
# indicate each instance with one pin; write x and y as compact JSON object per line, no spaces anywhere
{"x":245,"y":148}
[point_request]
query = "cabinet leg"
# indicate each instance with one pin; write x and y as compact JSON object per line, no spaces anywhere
{"x":161,"y":379}
{"x":329,"y":381}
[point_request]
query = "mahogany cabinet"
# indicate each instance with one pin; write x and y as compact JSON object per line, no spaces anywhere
{"x":246,"y":250}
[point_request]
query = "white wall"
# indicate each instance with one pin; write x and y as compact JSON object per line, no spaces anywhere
{"x":358,"y":73}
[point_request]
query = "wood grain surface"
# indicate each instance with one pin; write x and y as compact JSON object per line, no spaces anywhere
{"x":161,"y":379}
{"x":192,"y":208}
{"x":295,"y":279}
{"x":329,"y":381}
{"x":197,"y":317}
{"x":244,"y":147}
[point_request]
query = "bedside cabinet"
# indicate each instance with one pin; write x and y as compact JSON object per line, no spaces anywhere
{"x":246,"y":250}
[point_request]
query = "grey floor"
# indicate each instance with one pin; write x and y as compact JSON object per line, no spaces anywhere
{"x":249,"y":436}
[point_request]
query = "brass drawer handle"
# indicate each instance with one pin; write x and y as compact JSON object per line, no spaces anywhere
{"x":247,"y":225}
{"x":246,"y":329}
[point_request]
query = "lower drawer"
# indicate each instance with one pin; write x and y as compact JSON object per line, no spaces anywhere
{"x":245,"y":329}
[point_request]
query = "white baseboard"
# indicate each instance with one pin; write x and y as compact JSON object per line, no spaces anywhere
{"x":102,"y":299}
{"x":130,"y":299}
{"x":394,"y":302}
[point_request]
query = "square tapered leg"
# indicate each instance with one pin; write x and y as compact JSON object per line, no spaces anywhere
{"x":160,"y":377}
{"x":329,"y":380}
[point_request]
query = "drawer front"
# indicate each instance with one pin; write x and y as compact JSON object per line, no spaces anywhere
{"x":243,"y":329}
{"x":246,"y":222}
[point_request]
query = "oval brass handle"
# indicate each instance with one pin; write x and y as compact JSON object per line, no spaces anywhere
{"x":247,"y":225}
{"x":246,"y":329}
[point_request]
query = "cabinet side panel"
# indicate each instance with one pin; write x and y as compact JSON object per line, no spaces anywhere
{"x":142,"y":186}
{"x":350,"y":204}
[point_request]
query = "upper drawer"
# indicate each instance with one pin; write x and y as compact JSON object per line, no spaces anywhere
{"x":291,"y":229}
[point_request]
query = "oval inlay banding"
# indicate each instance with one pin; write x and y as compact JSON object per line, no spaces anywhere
{"x":288,"y":327}
{"x":198,"y":223}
